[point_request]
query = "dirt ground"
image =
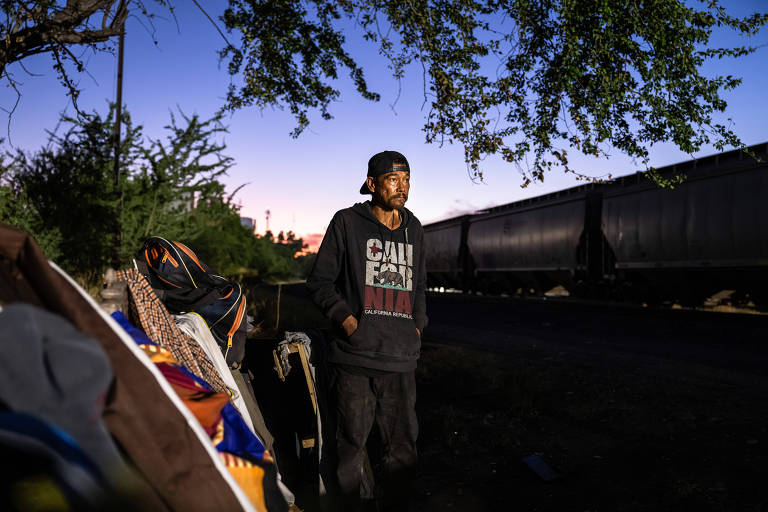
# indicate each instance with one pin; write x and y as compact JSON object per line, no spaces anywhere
{"x":633,"y":410}
{"x":623,"y":429}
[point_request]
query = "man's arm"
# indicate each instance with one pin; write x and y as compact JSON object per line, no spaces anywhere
{"x":321,"y":282}
{"x":419,"y":299}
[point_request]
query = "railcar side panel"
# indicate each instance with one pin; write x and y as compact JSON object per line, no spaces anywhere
{"x":543,"y":237}
{"x":442,"y":244}
{"x":708,"y":221}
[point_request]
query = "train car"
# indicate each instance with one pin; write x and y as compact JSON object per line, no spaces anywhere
{"x":708,"y":234}
{"x":533,"y":245}
{"x":628,"y":239}
{"x":446,"y":257}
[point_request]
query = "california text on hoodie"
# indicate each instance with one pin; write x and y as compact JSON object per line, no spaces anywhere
{"x":378,"y":275}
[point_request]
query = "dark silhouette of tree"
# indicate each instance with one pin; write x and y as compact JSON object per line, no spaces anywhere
{"x":64,"y":195}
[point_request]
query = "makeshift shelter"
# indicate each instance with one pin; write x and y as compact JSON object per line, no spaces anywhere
{"x":173,"y":464}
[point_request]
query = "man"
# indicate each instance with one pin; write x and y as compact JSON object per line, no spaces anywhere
{"x":369,"y":278}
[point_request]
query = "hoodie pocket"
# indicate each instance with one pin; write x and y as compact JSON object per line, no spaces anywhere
{"x":390,"y":338}
{"x":352,"y":337}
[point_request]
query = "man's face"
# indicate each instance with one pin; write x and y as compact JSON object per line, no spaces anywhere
{"x":391,"y":190}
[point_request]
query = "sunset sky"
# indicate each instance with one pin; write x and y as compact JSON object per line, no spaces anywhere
{"x":303,"y":181}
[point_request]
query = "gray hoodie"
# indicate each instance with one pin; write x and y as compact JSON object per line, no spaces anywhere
{"x":377,"y":275}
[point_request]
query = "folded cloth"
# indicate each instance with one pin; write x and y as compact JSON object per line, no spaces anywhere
{"x":33,"y":452}
{"x":194,"y":326}
{"x":240,"y":449}
{"x":157,"y":323}
{"x":57,"y":374}
{"x":230,"y":435}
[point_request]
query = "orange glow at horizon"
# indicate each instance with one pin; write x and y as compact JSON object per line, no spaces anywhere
{"x":313,"y":242}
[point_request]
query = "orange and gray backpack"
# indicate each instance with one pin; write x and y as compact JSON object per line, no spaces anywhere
{"x":184,"y":284}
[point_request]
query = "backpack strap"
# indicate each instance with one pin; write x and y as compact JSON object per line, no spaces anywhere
{"x":141,"y":266}
{"x":190,"y":299}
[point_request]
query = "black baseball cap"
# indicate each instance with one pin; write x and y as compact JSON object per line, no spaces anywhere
{"x":384,"y":162}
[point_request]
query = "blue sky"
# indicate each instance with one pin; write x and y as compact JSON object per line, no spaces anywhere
{"x":303,"y":181}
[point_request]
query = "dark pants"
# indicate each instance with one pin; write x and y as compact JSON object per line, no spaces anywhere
{"x":390,"y":401}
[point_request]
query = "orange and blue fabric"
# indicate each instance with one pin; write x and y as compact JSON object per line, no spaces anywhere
{"x":232,"y":435}
{"x":239,"y":449}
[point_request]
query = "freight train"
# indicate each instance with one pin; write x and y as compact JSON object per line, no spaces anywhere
{"x":627,"y":239}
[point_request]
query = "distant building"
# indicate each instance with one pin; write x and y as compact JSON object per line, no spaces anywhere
{"x":249,"y":223}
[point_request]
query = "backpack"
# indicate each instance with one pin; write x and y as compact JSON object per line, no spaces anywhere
{"x":184,"y":284}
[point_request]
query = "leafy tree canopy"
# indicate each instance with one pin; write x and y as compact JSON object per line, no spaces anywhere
{"x":529,"y":80}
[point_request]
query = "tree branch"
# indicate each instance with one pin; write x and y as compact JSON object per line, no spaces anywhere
{"x":40,"y":31}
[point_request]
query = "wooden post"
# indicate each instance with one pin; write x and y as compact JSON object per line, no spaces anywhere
{"x":277,"y":319}
{"x":117,"y":235}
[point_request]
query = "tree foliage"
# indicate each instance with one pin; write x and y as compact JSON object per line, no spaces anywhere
{"x":65,"y":195}
{"x":69,"y":183}
{"x":17,"y":210}
{"x":529,"y":80}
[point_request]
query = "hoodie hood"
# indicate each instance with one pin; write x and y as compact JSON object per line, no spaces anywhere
{"x":364,"y":209}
